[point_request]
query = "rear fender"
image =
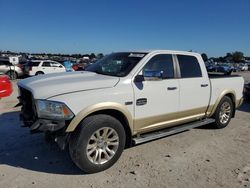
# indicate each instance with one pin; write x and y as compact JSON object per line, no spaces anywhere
{"x":212,"y":108}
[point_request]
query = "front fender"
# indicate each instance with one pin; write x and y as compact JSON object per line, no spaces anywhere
{"x":98,"y":107}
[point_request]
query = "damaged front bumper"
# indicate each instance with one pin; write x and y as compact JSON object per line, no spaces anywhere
{"x":47,"y":125}
{"x":56,"y":130}
{"x":30,"y":119}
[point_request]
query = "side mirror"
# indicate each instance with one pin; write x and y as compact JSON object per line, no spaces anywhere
{"x":153,"y":75}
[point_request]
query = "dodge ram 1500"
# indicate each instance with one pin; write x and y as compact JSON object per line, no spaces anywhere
{"x":124,"y":99}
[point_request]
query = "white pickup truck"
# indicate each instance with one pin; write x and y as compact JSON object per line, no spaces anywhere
{"x":125,"y":99}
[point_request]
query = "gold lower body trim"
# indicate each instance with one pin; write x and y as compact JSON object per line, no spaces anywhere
{"x":167,"y":120}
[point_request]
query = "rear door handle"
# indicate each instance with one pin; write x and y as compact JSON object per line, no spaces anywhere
{"x":172,"y":88}
{"x":204,"y":85}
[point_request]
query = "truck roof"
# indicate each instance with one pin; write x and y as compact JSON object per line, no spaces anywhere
{"x":164,"y":51}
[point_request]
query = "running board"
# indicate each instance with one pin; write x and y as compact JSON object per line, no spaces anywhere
{"x":170,"y":131}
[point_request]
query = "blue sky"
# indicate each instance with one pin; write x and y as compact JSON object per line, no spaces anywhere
{"x":76,"y":26}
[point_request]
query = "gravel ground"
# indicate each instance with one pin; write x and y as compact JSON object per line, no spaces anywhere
{"x":202,"y":157}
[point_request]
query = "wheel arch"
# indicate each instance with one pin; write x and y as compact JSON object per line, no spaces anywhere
{"x":229,"y":93}
{"x":116,"y":110}
{"x":40,"y":72}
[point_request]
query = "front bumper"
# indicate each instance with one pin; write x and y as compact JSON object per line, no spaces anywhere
{"x":45,"y":125}
{"x":28,"y":115}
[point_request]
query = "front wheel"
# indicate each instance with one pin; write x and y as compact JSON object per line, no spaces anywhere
{"x":223,"y":113}
{"x":98,"y":143}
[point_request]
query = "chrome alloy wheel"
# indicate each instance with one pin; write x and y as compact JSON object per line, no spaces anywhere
{"x":102,"y":145}
{"x":225,"y":112}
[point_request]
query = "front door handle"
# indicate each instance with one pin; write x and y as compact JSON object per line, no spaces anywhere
{"x":141,"y":101}
{"x":204,"y":85}
{"x":172,"y":88}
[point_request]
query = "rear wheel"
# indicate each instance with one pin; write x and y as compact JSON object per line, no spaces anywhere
{"x":98,"y":143}
{"x":223,"y":113}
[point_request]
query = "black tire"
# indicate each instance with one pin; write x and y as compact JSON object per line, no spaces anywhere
{"x":39,"y":73}
{"x":219,"y":122}
{"x":247,"y":99}
{"x":229,"y":73}
{"x":80,"y":139}
{"x":12,"y":75}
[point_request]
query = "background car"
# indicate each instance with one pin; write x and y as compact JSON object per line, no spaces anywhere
{"x":210,"y":68}
{"x":248,"y":65}
{"x":5,"y":86}
{"x":38,"y":67}
{"x":68,"y":66}
{"x":247,"y":92}
{"x":78,"y":66}
{"x":236,"y":69}
{"x":224,"y":68}
{"x":221,"y":68}
{"x":13,"y":71}
{"x":243,"y":67}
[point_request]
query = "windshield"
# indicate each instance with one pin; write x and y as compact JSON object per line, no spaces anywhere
{"x":116,"y":64}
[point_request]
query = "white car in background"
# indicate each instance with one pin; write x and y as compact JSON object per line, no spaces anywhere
{"x":38,"y":67}
{"x":244,"y":67}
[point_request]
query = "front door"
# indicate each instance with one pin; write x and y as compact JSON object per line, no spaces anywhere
{"x":156,"y":101}
{"x":46,"y":67}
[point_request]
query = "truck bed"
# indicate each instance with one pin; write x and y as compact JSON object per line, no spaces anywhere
{"x":233,"y":83}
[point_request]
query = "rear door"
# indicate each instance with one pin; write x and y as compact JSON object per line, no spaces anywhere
{"x":46,"y":67}
{"x":194,"y":87}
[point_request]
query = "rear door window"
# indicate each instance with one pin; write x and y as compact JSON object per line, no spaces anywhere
{"x":54,"y":64}
{"x":189,"y":66}
{"x":46,"y":64}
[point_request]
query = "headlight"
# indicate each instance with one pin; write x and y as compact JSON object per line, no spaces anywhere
{"x":53,"y":110}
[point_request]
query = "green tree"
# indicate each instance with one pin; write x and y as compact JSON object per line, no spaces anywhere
{"x":228,"y":57}
{"x":204,"y":57}
{"x":100,"y":55}
{"x":92,"y":56}
{"x":237,"y":56}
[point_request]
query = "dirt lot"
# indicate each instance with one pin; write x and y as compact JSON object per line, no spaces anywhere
{"x":202,"y":157}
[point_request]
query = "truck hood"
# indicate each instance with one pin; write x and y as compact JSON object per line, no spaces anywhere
{"x":46,"y":86}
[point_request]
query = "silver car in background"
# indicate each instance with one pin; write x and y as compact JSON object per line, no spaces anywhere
{"x":13,"y":71}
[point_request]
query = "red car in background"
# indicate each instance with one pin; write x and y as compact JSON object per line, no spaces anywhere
{"x":5,"y":86}
{"x":78,"y":67}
